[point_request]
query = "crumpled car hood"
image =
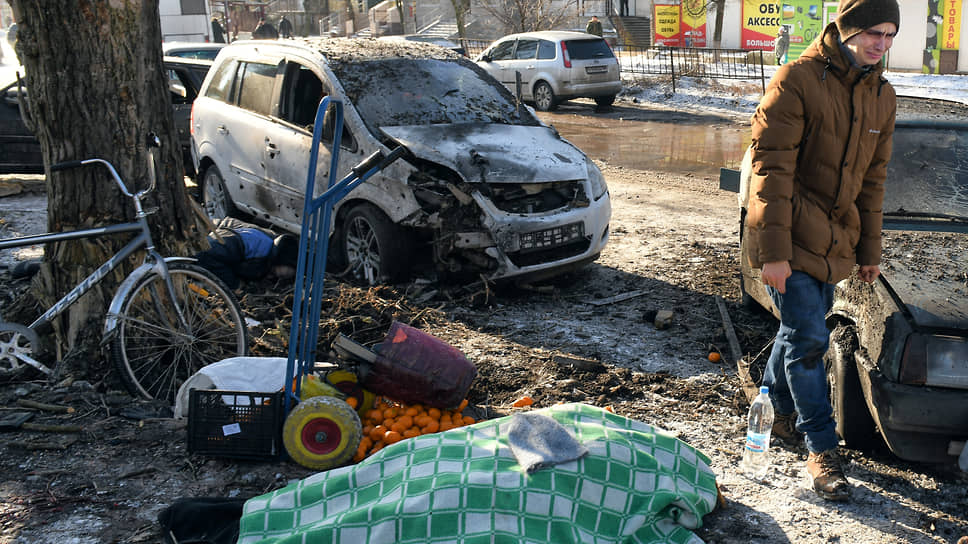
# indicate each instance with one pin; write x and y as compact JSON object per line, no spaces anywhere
{"x":494,"y":153}
{"x":927,"y":270}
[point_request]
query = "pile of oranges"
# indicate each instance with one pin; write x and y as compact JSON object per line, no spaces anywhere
{"x":389,"y":422}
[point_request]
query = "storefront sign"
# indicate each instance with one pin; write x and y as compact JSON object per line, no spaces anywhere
{"x":761,"y":20}
{"x":667,"y":25}
{"x":951,"y":32}
{"x":693,"y":26}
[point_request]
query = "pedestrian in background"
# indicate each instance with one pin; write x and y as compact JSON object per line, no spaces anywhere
{"x":264,"y":31}
{"x":821,"y":143}
{"x":594,"y":26}
{"x":218,"y":33}
{"x":781,"y":44}
{"x":285,"y":28}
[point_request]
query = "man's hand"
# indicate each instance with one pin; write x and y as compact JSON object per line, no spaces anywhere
{"x":775,"y":274}
{"x":869,"y":272}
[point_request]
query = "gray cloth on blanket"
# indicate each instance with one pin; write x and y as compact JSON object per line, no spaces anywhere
{"x":538,"y":441}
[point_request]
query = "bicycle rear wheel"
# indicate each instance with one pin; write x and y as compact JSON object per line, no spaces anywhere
{"x":154,"y":352}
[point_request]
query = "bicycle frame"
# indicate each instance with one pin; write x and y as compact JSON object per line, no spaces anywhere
{"x":152,"y":261}
{"x":142,"y":239}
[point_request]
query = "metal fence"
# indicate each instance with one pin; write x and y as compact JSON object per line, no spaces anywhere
{"x":675,"y":62}
{"x":473,"y":47}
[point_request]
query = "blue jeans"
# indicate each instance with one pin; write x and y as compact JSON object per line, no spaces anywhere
{"x":795,"y":371}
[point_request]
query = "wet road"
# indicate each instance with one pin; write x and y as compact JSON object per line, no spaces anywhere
{"x":642,"y":139}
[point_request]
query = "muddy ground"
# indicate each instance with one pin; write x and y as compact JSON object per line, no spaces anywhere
{"x":673,"y":246}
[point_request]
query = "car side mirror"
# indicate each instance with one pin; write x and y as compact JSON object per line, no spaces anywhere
{"x":486,"y":58}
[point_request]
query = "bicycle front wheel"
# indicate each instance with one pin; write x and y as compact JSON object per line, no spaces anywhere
{"x":155,"y":350}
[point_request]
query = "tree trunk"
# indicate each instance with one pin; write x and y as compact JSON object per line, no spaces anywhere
{"x":718,"y":29}
{"x":461,"y":7}
{"x":97,"y":87}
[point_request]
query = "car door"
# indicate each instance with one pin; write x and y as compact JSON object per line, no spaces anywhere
{"x":235,"y":123}
{"x":525,"y":55}
{"x":184,"y":81}
{"x":499,"y":57}
{"x":289,"y":138}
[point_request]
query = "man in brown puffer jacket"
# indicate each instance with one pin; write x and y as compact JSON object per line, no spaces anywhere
{"x":821,"y":142}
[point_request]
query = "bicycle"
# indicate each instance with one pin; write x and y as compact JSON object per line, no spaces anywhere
{"x":167,"y":319}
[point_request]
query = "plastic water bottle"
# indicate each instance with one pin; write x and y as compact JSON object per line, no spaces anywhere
{"x":756,"y":454}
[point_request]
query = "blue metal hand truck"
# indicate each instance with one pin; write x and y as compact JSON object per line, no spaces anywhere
{"x":320,"y":432}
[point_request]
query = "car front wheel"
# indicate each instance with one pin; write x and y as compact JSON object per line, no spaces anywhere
{"x":215,"y":198}
{"x":854,"y":422}
{"x":375,"y":250}
{"x":544,"y":97}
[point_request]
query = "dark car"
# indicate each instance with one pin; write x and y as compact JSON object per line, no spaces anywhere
{"x":20,"y":150}
{"x":185,"y":77}
{"x":898,"y":359}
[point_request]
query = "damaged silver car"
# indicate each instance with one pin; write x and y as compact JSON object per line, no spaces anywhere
{"x":897,"y":365}
{"x":486,"y":189}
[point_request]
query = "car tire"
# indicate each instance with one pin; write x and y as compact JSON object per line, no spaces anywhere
{"x":373,"y":249}
{"x":544,"y":97}
{"x":605,"y":100}
{"x":854,"y":422}
{"x":215,"y":198}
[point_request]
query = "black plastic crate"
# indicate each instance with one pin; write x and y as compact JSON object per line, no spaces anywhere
{"x":237,"y":424}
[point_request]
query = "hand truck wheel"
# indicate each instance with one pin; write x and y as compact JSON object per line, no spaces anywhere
{"x":348,"y":384}
{"x":322,"y":433}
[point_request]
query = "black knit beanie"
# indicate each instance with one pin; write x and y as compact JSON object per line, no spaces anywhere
{"x":856,"y":16}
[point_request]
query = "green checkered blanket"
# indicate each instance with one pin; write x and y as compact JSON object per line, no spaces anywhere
{"x":637,"y":484}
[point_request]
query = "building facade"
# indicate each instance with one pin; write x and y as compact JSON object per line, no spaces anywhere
{"x":932,"y":32}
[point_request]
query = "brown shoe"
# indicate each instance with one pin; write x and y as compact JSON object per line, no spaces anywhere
{"x":785,"y":428}
{"x":828,"y":475}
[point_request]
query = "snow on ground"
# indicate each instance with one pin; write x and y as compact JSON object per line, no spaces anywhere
{"x":743,"y":95}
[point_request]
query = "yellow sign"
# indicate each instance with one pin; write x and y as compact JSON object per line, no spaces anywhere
{"x":762,"y":17}
{"x":667,"y":24}
{"x":950,"y":31}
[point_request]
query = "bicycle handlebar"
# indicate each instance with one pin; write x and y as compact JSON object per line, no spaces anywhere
{"x":153,"y":143}
{"x":65,"y":165}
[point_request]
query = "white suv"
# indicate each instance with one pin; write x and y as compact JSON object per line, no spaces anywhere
{"x":486,"y":189}
{"x":555,"y":66}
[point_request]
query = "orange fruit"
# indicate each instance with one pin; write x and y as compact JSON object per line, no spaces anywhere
{"x":468,"y":420}
{"x":411,"y":432}
{"x":422,"y":421}
{"x":412,"y":410}
{"x":434,"y":413}
{"x":375,"y":415}
{"x":431,"y":427}
{"x":392,"y":437}
{"x":523,"y":401}
{"x":352,"y":402}
{"x":714,"y":356}
{"x":377,"y":433}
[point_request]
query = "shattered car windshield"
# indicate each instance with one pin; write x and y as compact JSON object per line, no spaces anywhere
{"x":422,"y":91}
{"x":928,"y":173}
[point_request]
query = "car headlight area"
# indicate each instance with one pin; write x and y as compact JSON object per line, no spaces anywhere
{"x":936,"y":360}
